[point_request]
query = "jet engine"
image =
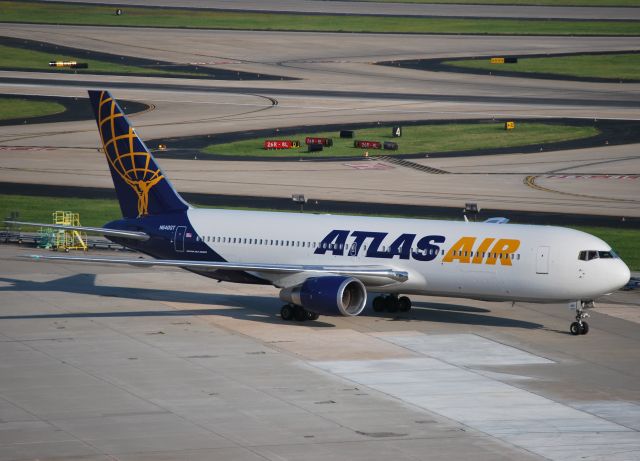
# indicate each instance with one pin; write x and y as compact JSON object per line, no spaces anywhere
{"x":330,"y":295}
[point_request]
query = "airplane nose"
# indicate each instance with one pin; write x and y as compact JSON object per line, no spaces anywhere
{"x":622,"y":275}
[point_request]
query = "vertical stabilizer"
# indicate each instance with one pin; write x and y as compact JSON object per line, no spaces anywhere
{"x":141,"y":186}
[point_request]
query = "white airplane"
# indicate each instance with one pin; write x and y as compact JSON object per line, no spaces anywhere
{"x":326,"y":264}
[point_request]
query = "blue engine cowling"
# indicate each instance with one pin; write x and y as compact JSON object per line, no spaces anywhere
{"x":330,"y":295}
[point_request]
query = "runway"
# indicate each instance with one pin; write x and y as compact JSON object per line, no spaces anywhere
{"x":105,"y":363}
{"x":337,"y":84}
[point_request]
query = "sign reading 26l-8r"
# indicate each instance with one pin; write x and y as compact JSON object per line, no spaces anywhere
{"x":467,"y":250}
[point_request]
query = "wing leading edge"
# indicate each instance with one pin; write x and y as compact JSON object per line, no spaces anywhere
{"x":354,"y":271}
{"x":133,"y":235}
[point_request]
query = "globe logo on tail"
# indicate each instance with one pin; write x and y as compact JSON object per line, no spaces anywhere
{"x":126,"y":153}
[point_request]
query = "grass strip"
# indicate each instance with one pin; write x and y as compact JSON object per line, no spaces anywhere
{"x":611,"y":66}
{"x":22,"y":58}
{"x":596,"y":3}
{"x":416,"y":139}
{"x":97,"y":212}
{"x":82,"y":14}
{"x":15,"y":108}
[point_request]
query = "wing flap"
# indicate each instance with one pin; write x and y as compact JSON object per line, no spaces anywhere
{"x":355,"y":271}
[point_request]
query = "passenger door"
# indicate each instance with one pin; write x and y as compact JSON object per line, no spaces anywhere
{"x":542,"y":260}
{"x":178,"y":241}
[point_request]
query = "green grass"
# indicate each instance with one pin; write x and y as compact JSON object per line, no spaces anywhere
{"x":416,"y":139}
{"x":22,"y":58}
{"x":93,"y":212}
{"x":609,"y":3}
{"x":614,"y":66}
{"x":60,"y":13}
{"x":97,"y":212}
{"x":626,"y":242}
{"x":15,"y":108}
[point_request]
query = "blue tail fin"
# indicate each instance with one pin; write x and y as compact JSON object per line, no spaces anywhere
{"x":141,"y":186}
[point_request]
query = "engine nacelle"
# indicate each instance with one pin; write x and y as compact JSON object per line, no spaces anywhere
{"x":330,"y":295}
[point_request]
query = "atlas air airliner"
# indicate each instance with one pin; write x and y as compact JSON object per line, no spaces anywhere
{"x":327,"y":265}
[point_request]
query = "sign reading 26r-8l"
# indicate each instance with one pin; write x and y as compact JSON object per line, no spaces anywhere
{"x":467,"y":250}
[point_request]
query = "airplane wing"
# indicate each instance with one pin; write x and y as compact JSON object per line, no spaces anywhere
{"x":355,"y":271}
{"x":133,"y":235}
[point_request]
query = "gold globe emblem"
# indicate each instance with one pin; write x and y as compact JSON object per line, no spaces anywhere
{"x":126,"y":155}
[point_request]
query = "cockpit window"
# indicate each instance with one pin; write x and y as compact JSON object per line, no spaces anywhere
{"x":588,"y":255}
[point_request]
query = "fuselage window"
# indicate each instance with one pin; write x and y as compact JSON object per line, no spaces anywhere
{"x":518,"y":256}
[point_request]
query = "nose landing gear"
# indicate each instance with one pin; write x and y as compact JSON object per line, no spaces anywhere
{"x":580,"y":327}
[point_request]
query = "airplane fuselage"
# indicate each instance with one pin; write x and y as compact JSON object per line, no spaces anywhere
{"x":447,"y":258}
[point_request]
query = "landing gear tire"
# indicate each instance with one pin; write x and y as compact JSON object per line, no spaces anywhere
{"x":392,"y":304}
{"x":300,"y":314}
{"x":312,"y":315}
{"x":378,"y":304}
{"x":585,"y":328}
{"x":575,"y":328}
{"x":580,"y":327}
{"x":286,"y":312}
{"x":404,"y":304}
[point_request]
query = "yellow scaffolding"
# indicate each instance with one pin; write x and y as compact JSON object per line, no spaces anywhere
{"x":65,"y":240}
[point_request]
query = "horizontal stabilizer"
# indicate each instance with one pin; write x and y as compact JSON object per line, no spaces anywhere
{"x":133,"y":235}
{"x":355,"y":271}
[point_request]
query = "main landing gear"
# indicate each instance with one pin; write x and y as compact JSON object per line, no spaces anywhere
{"x":580,"y":327}
{"x":391,"y":303}
{"x":299,"y":313}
